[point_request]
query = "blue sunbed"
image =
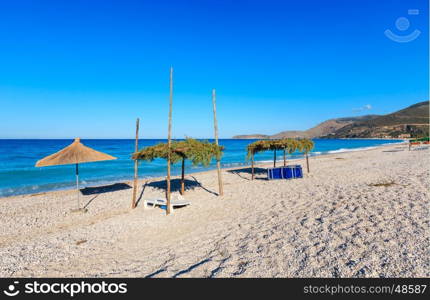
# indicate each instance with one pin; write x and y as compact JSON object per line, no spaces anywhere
{"x":274,"y":173}
{"x":291,"y":172}
{"x":287,"y":172}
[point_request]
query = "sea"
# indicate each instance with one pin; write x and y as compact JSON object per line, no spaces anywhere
{"x":18,"y":174}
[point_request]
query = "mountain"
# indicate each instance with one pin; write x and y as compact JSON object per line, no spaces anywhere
{"x":325,"y":128}
{"x":412,"y":121}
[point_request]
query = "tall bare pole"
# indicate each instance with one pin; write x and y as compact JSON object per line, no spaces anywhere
{"x":169,"y":144}
{"x":136,"y":148}
{"x":218,"y":162}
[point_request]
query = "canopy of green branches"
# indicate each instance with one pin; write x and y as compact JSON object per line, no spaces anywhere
{"x":198,"y":152}
{"x":290,"y":145}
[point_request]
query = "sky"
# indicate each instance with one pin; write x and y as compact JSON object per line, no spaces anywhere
{"x":89,"y":68}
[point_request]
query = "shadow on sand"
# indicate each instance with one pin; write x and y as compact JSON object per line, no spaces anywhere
{"x":248,"y":171}
{"x":97,"y":190}
{"x":105,"y":189}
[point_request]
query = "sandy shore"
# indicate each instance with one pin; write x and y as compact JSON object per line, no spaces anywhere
{"x":357,"y":214}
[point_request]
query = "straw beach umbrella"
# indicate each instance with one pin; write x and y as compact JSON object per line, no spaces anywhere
{"x":75,"y":153}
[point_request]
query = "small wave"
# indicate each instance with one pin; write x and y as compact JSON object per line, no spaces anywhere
{"x":395,"y":143}
{"x":341,"y":150}
{"x":235,"y":164}
{"x":265,"y":161}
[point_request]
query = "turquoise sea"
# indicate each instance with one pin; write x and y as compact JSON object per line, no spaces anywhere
{"x":18,"y":175}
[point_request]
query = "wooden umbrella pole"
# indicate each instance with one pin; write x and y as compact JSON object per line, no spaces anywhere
{"x":285,"y":160}
{"x":252,"y":166}
{"x":169,"y":143}
{"x":218,"y":162}
{"x":307,"y":161}
{"x":274,"y":159}
{"x":183,"y":177}
{"x":136,"y":148}
{"x":77,"y":184}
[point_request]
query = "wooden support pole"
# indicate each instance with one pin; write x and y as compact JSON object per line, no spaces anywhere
{"x":307,"y":161}
{"x":218,"y":160}
{"x":169,"y":144}
{"x":77,"y":184}
{"x":274,"y":159}
{"x":183,"y":177}
{"x":136,"y":148}
{"x":252,"y":166}
{"x":285,"y":158}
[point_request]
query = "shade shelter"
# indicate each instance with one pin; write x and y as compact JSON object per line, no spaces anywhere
{"x":287,"y":145}
{"x":198,"y":152}
{"x":266,"y":145}
{"x":75,"y":153}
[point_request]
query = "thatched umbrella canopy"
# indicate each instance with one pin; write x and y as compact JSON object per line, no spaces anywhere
{"x":267,"y":145}
{"x":198,"y":152}
{"x":75,"y":153}
{"x":291,"y":146}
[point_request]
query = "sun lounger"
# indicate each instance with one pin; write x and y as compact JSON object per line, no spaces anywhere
{"x":287,"y":172}
{"x":176,"y":202}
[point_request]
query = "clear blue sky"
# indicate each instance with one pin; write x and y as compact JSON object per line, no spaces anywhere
{"x":89,"y":68}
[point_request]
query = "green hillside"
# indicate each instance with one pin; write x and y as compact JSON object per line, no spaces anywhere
{"x":413,"y":121}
